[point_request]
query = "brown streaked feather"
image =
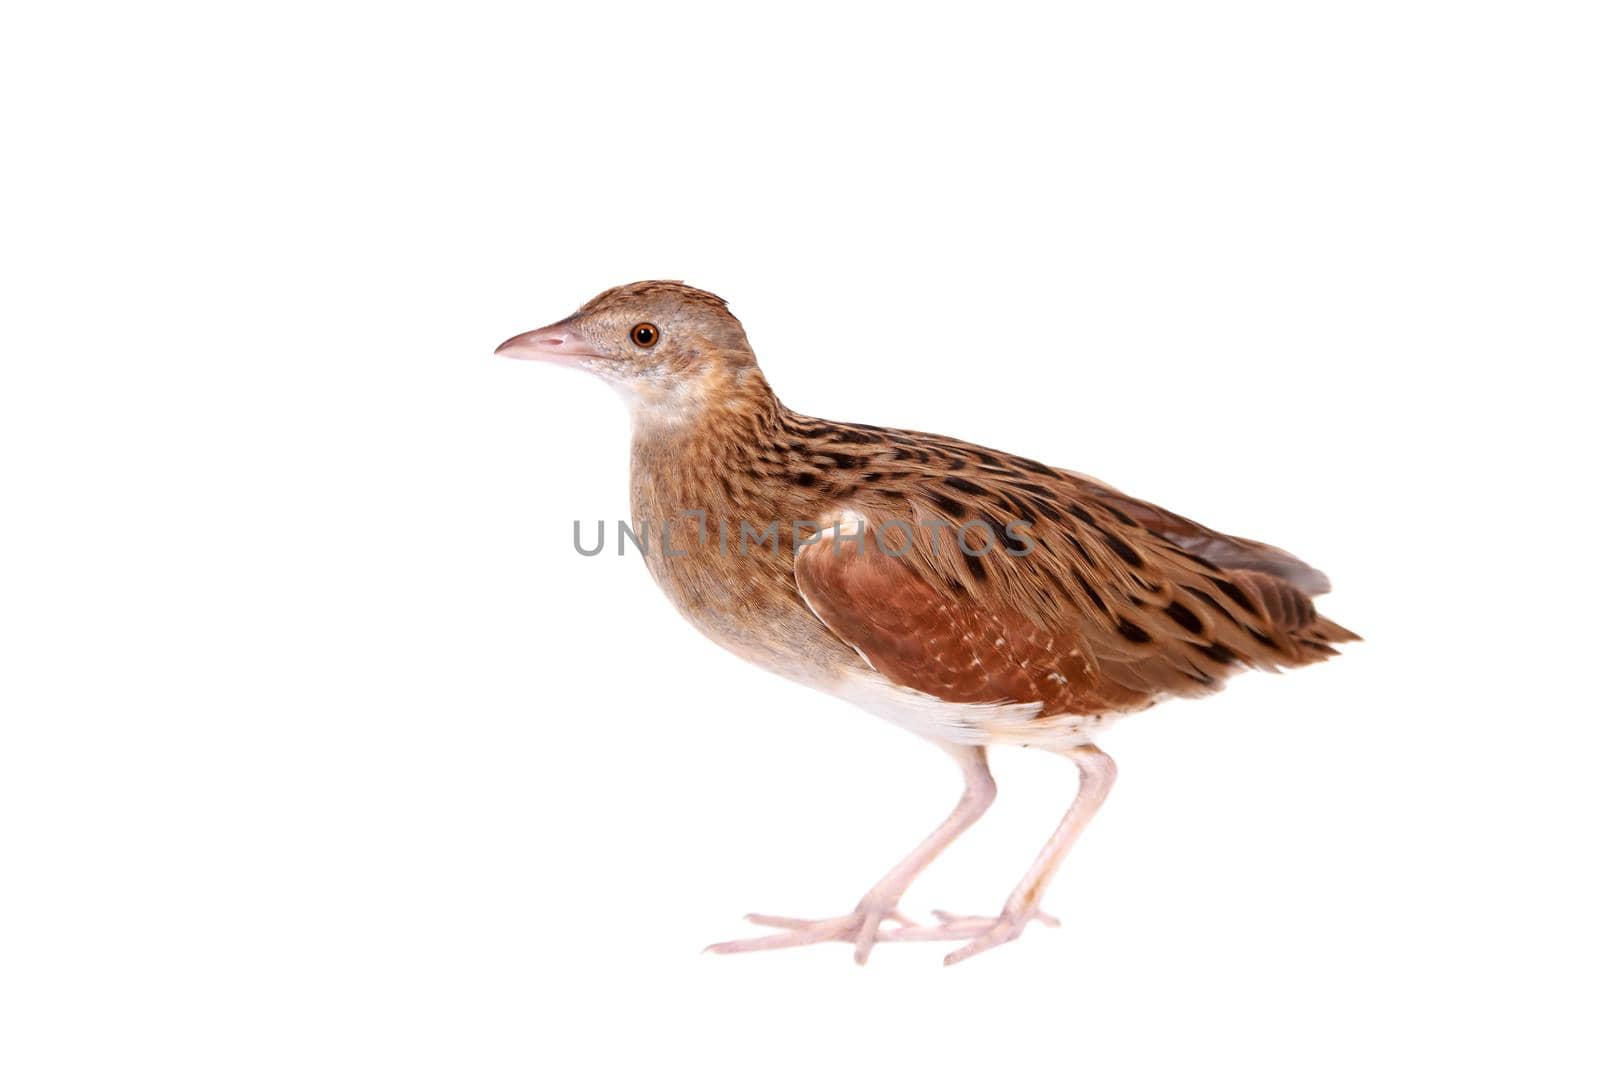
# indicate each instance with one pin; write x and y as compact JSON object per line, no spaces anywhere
{"x":1154,"y":603}
{"x":620,"y":294}
{"x":1224,"y":550}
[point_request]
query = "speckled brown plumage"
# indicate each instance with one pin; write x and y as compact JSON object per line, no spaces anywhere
{"x":984,"y":597}
{"x":1154,"y":603}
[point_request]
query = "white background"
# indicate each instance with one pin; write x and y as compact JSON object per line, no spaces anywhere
{"x":321,"y":745}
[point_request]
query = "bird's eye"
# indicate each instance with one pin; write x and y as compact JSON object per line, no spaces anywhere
{"x":644,"y":335}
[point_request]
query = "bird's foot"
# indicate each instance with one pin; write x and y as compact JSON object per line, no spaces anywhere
{"x":864,"y":928}
{"x":861,"y":927}
{"x":982,"y":932}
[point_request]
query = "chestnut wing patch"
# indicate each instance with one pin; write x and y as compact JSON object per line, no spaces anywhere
{"x":941,"y":641}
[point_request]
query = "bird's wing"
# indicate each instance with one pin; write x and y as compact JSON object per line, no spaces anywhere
{"x":1223,"y":550}
{"x":1156,"y":604}
{"x":939,"y":643}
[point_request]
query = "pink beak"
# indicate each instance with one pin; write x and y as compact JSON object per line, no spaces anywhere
{"x":556,"y":343}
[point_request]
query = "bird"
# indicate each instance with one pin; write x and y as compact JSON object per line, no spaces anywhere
{"x":974,"y":597}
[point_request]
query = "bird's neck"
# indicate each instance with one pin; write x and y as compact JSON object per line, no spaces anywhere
{"x":723,"y":399}
{"x":713,"y":494}
{"x":712,"y":449}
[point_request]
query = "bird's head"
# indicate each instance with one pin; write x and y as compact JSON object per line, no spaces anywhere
{"x":664,"y":345}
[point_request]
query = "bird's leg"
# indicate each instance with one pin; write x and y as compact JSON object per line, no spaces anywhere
{"x":880,"y":902}
{"x":1096,"y":772}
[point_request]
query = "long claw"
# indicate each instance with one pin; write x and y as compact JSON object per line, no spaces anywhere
{"x":971,"y":949}
{"x":781,"y":921}
{"x":810,"y":934}
{"x":864,"y":941}
{"x":861,"y":927}
{"x":1006,"y":928}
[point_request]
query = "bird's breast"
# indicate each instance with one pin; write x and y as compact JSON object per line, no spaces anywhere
{"x":728,"y":567}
